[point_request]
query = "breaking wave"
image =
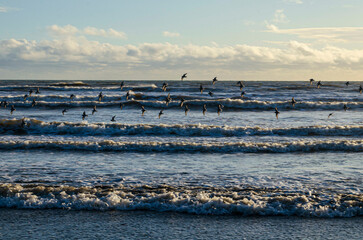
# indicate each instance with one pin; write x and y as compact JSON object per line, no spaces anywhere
{"x":194,"y":200}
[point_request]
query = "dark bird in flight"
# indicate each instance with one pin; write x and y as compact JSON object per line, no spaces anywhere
{"x":100,"y":97}
{"x":34,"y":103}
{"x":201,"y":88}
{"x":330,"y":114}
{"x":37,"y":91}
{"x":345,"y":107}
{"x":113,"y":119}
{"x":127,"y":95}
{"x":64,"y":111}
{"x":347,"y":83}
{"x":241,"y":85}
{"x":121,"y":106}
{"x":94,"y":110}
{"x":360,"y":89}
{"x":182,"y":100}
{"x":12,"y":109}
{"x":23,"y":123}
{"x":242,"y":94}
{"x":168,"y":99}
{"x":84,"y":115}
{"x":183,"y":76}
{"x":143,"y":110}
{"x":30,"y":92}
{"x":219,"y":109}
{"x":210,"y":94}
{"x":186,"y":110}
{"x":311,"y":81}
{"x":277,"y":113}
{"x":319,"y":84}
{"x":122,"y":85}
{"x":160,"y":113}
{"x":165,"y":85}
{"x":214,"y":80}
{"x":25,"y":96}
{"x":5,"y":104}
{"x":204,"y":109}
{"x":293,"y":101}
{"x":72,"y":96}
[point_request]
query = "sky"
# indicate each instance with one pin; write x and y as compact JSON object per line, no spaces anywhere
{"x":162,"y":39}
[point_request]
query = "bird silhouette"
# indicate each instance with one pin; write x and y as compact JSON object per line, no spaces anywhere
{"x":183,"y":76}
{"x":277,"y":113}
{"x":214,"y":80}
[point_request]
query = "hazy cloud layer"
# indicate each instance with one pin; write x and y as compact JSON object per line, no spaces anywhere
{"x":171,"y":34}
{"x":92,"y":31}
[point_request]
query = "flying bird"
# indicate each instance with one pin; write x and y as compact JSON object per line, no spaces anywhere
{"x":94,"y":110}
{"x":360,"y":89}
{"x":64,"y":111}
{"x":37,"y":91}
{"x":100,"y":97}
{"x":204,"y":109}
{"x":182,"y":100}
{"x":293,"y":101}
{"x":214,"y":80}
{"x":165,"y":85}
{"x":143,"y":110}
{"x":12,"y":109}
{"x":201,"y":88}
{"x":219,"y":109}
{"x":210,"y":94}
{"x":347,"y":83}
{"x":330,"y":114}
{"x":319,"y":84}
{"x":30,"y":92}
{"x":168,"y":99}
{"x":34,"y":103}
{"x":113,"y":119}
{"x":122,"y":85}
{"x":241,"y":85}
{"x":277,"y":113}
{"x":311,"y":81}
{"x":84,"y":115}
{"x":242,"y":94}
{"x":160,"y":113}
{"x":186,"y":110}
{"x":183,"y":76}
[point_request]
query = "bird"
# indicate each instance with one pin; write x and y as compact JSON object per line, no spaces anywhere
{"x":37,"y":91}
{"x":186,"y":110}
{"x":182,"y":100}
{"x":23,"y":123}
{"x":122,"y":85}
{"x":330,"y":114}
{"x":241,"y":85}
{"x":219,"y":109}
{"x":121,"y":106}
{"x":293,"y":101}
{"x":242,"y":94}
{"x":319,"y":84}
{"x":143,"y":110}
{"x":277,"y":113}
{"x":183,"y":76}
{"x":94,"y":110}
{"x":72,"y":96}
{"x":113,"y":119}
{"x":127,"y":95}
{"x":5,"y":104}
{"x":360,"y":89}
{"x":214,"y":80}
{"x":210,"y":94}
{"x":34,"y":103}
{"x":204,"y":109}
{"x":160,"y":113}
{"x":84,"y":115}
{"x":311,"y":81}
{"x":100,"y":96}
{"x":165,"y":85}
{"x":168,"y":99}
{"x":201,"y":88}
{"x":25,"y":96}
{"x":347,"y":83}
{"x":345,"y":107}
{"x":30,"y":92}
{"x":64,"y":111}
{"x":12,"y":109}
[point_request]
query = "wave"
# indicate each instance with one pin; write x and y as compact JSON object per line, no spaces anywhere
{"x":188,"y":146}
{"x":194,"y":200}
{"x":158,"y":102}
{"x":37,"y":127}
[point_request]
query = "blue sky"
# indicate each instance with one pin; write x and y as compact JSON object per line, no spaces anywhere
{"x":232,"y":39}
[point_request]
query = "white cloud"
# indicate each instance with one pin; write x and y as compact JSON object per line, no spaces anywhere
{"x":294,"y":1}
{"x":280,"y":17}
{"x":337,"y":34}
{"x":170,"y":34}
{"x":92,"y":31}
{"x":3,"y":9}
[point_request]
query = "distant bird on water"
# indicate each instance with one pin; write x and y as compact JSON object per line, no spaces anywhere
{"x":311,"y":81}
{"x":277,"y":113}
{"x":214,"y":80}
{"x":183,"y":76}
{"x":113,"y":119}
{"x":84,"y":115}
{"x":64,"y":111}
{"x":127,"y":95}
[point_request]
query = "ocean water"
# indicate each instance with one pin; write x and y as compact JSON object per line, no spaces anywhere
{"x":241,"y":164}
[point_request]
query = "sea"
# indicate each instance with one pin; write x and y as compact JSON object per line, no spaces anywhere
{"x":257,"y":166}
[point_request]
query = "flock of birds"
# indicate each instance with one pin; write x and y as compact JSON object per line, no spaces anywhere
{"x":168,"y":99}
